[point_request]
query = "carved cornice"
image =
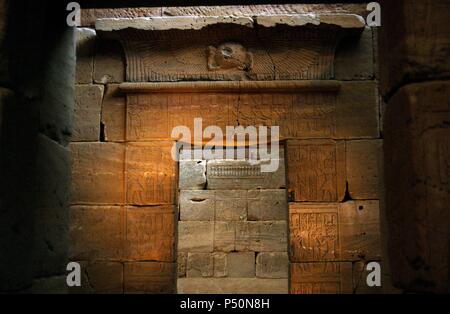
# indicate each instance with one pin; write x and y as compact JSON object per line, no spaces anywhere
{"x":261,"y":48}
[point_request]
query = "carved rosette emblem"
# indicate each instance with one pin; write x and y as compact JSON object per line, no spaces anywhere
{"x":229,"y":56}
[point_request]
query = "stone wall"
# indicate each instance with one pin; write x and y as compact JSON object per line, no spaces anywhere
{"x":414,"y":45}
{"x":125,"y":183}
{"x":232,"y":230}
{"x":36,"y":103}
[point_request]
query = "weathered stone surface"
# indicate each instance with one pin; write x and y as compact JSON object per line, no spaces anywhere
{"x":85,"y":55}
{"x":281,"y":53}
{"x":334,"y":232}
{"x":97,"y":232}
{"x":231,"y":205}
{"x":51,"y":225}
{"x":272,"y":265}
{"x":322,"y":277}
{"x":267,"y":205}
{"x":150,"y":233}
{"x":49,"y":285}
{"x":89,"y":16}
{"x":359,"y":230}
{"x":192,"y":175}
{"x":88,"y":106}
{"x":109,"y":64}
{"x":181,"y":264}
{"x":316,"y":170}
{"x":261,"y":236}
{"x":200,"y":265}
{"x":355,"y":57}
{"x":100,"y":277}
{"x":232,"y":286}
{"x":97,"y":173}
{"x":264,"y":9}
{"x":236,"y":174}
{"x":224,"y":236}
{"x":195,"y":236}
{"x":197,"y":205}
{"x":220,"y":265}
{"x":340,"y":20}
{"x":241,"y":264}
{"x":357,"y":113}
{"x":416,"y":155}
{"x":159,"y":23}
{"x":150,"y":172}
{"x":149,"y":116}
{"x":149,"y":277}
{"x":414,"y":43}
{"x":364,"y":168}
{"x":113,"y":114}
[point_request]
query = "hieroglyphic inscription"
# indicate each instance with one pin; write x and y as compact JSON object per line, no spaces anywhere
{"x":306,"y":115}
{"x":153,"y":116}
{"x":150,"y":233}
{"x":150,"y":173}
{"x":314,"y":232}
{"x":316,"y":170}
{"x":321,"y":277}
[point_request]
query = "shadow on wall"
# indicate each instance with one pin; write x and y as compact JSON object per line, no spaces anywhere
{"x":36,"y":97}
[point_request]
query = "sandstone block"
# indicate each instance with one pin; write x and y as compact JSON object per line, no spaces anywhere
{"x":197,"y":205}
{"x":232,"y":286}
{"x":321,"y":278}
{"x":97,"y":173}
{"x":181,"y":264}
{"x":272,"y":265}
{"x":241,"y":264}
{"x":364,"y":168}
{"x":97,"y":233}
{"x":357,"y":115}
{"x":200,"y":265}
{"x":88,"y":106}
{"x":415,"y":46}
{"x":192,"y":175}
{"x":150,"y":233}
{"x":100,"y":277}
{"x":236,"y":174}
{"x":354,"y":57}
{"x":316,"y":170}
{"x":195,"y":236}
{"x":220,"y":265}
{"x":89,"y":16}
{"x":224,"y":236}
{"x":49,"y":285}
{"x":149,"y":277}
{"x":267,"y":205}
{"x":113,"y":114}
{"x":334,"y":232}
{"x":85,"y":55}
{"x":231,"y":205}
{"x":360,"y":274}
{"x":150,"y":172}
{"x":109,"y":64}
{"x":270,"y":236}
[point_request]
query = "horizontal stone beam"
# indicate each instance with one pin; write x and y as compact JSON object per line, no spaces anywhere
{"x":198,"y":22}
{"x":232,"y":86}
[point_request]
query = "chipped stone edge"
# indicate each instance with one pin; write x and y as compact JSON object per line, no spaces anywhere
{"x":198,"y":22}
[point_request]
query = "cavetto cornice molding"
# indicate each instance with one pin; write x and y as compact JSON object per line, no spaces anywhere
{"x":258,"y":48}
{"x":231,"y":87}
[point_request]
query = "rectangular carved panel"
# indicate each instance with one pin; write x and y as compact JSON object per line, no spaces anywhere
{"x":316,"y":170}
{"x":150,"y":173}
{"x":334,"y":232}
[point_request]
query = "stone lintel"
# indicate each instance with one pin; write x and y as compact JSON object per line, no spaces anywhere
{"x":232,"y":86}
{"x":198,"y":22}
